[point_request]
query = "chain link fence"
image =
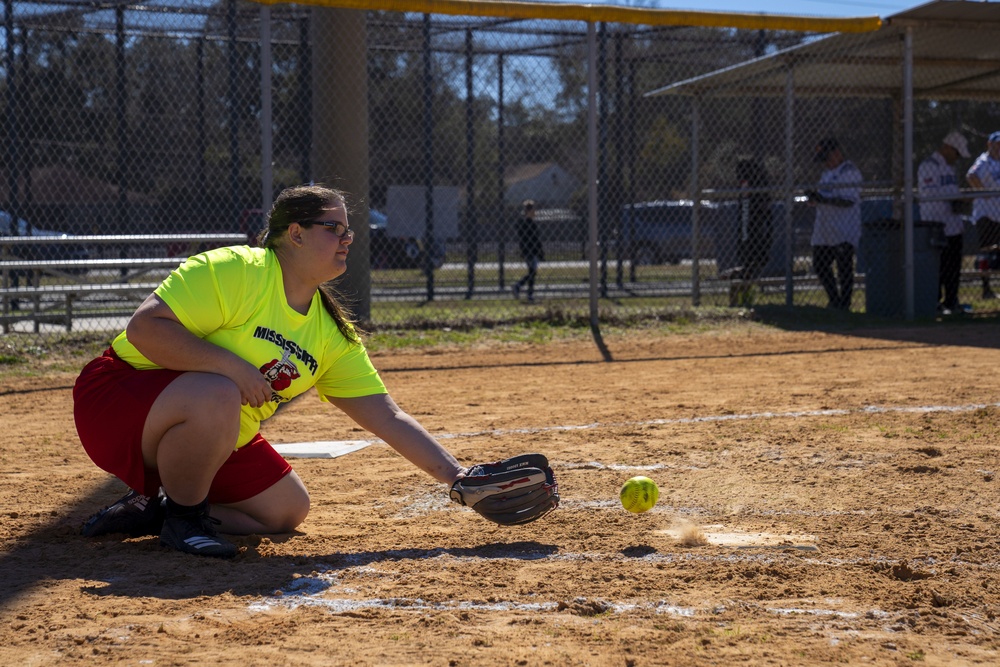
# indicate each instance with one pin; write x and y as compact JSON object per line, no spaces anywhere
{"x":136,"y":135}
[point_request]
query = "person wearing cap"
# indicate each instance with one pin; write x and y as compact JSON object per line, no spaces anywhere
{"x":984,"y":174}
{"x":530,"y":243}
{"x":837,"y":229}
{"x":937,"y":188}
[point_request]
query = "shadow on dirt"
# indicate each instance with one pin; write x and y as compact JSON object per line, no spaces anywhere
{"x":638,"y":551}
{"x":55,"y":551}
{"x":967,"y":330}
{"x":115,"y":565}
{"x":174,"y":576}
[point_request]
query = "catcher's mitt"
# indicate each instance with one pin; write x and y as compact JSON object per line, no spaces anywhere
{"x":516,"y":490}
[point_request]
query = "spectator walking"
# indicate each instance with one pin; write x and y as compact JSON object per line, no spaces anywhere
{"x":530,"y":243}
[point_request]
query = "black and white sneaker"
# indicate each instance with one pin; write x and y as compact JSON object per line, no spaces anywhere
{"x":195,"y":534}
{"x":135,"y":515}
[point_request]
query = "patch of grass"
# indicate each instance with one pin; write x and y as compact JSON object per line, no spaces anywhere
{"x":23,"y":356}
{"x":477,"y":322}
{"x":526,"y":332}
{"x":454,"y":324}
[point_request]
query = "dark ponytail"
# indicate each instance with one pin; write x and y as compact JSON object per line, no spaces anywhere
{"x":303,"y":204}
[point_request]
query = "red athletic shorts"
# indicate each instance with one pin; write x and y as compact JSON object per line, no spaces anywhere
{"x":111,"y":400}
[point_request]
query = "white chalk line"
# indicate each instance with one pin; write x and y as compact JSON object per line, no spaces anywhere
{"x":315,"y":590}
{"x":309,"y":591}
{"x":341,"y":605}
{"x":332,"y":449}
{"x":721,"y":418}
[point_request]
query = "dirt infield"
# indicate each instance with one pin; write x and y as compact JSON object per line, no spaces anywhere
{"x":825,"y":498}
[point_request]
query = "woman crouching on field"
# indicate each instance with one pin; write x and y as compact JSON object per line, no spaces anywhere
{"x":173,"y":408}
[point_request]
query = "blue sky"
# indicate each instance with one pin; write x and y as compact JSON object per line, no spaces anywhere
{"x":828,"y":8}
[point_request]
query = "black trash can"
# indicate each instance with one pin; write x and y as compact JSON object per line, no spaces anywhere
{"x":882,"y":248}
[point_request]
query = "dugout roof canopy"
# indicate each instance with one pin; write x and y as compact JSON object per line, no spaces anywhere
{"x":943,"y":50}
{"x":956,"y":55}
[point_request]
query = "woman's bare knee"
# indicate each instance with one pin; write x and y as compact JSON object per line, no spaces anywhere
{"x":280,"y":508}
{"x":291,"y":518}
{"x":215,"y":397}
{"x":292,"y":511}
{"x":198,"y":400}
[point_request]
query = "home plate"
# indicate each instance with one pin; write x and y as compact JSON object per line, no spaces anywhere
{"x":747,"y":540}
{"x":323,"y":449}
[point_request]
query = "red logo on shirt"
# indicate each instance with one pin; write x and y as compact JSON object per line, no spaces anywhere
{"x":280,"y":372}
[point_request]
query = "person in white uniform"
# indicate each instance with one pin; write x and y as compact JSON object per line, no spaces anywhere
{"x":984,"y":174}
{"x":940,"y":201}
{"x":837,"y":229}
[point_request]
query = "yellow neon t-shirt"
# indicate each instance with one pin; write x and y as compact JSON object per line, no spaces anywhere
{"x":234,"y":297}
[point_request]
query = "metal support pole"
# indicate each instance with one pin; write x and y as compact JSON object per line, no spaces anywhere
{"x":266,"y":126}
{"x":896,"y":155}
{"x":12,"y":125}
{"x":12,"y":134}
{"x":695,"y":203}
{"x":762,"y":138}
{"x":234,"y":131}
{"x":603,"y":193}
{"x":428,"y":159}
{"x":121,"y":125}
{"x":471,"y":223}
{"x":201,"y":142}
{"x":789,"y":186}
{"x":631,"y":154}
{"x":619,"y":170}
{"x":592,"y":187}
{"x":908,"y":171}
{"x":501,"y":167}
{"x":305,"y":101}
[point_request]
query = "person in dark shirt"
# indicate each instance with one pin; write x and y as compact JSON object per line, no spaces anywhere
{"x":755,"y":219}
{"x":530,"y":244}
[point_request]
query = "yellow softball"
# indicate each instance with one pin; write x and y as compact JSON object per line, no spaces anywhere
{"x":639,"y":494}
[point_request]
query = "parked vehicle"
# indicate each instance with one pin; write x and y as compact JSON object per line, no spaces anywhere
{"x":35,"y":251}
{"x":387,"y":252}
{"x":393,"y":252}
{"x":659,"y":232}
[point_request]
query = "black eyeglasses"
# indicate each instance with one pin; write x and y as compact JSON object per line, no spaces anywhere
{"x":340,"y":230}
